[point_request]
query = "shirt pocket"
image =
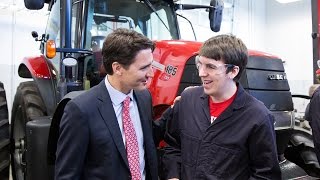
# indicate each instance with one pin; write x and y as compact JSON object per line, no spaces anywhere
{"x":189,"y":146}
{"x":217,"y":160}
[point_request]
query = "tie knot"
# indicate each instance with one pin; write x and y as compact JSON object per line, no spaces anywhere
{"x":126,"y":101}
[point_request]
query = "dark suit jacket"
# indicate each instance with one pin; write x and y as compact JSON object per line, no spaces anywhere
{"x":314,"y":118}
{"x":90,"y":144}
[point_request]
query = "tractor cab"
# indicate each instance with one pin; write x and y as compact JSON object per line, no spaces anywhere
{"x":71,"y":62}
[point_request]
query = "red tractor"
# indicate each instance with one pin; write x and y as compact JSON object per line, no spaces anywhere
{"x":70,"y":63}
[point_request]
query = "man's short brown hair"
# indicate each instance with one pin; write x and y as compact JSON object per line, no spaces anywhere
{"x":122,"y":46}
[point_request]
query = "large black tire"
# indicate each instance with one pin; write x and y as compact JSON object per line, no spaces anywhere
{"x":301,"y":152}
{"x":27,"y":105}
{"x":4,"y":136}
{"x":301,"y":147}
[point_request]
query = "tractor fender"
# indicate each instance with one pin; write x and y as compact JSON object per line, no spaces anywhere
{"x":44,"y":75}
{"x":34,"y":67}
{"x":54,"y":127}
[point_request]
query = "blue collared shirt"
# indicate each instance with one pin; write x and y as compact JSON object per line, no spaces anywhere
{"x":117,"y":98}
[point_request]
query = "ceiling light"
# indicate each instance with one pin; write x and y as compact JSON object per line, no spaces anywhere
{"x":286,"y":1}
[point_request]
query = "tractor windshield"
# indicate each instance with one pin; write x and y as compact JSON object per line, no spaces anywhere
{"x":156,"y":19}
{"x":153,"y":18}
{"x":92,"y":21}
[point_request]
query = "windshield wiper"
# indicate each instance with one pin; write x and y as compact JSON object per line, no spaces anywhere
{"x":149,"y":4}
{"x":112,"y":18}
{"x":194,"y":33}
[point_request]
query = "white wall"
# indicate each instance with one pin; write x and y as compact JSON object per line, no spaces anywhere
{"x":283,"y":30}
{"x":280,"y":29}
{"x":249,"y":23}
{"x":16,"y":42}
{"x":288,"y":32}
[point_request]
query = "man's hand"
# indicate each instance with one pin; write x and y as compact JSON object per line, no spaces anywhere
{"x":189,"y":87}
{"x":179,"y":97}
{"x":175,"y":100}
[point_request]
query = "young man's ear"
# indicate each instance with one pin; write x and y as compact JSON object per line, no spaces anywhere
{"x":234,"y":72}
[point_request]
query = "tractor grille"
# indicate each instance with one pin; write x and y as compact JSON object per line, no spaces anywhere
{"x":190,"y":76}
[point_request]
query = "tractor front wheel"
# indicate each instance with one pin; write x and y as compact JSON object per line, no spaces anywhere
{"x":27,"y":105}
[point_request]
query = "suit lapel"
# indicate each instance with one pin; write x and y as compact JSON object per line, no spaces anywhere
{"x":143,"y":115}
{"x":107,"y":112}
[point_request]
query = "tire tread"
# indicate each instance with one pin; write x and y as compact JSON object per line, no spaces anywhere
{"x":4,"y":135}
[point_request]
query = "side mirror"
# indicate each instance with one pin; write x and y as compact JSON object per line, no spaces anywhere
{"x":34,"y":4}
{"x":215,"y":15}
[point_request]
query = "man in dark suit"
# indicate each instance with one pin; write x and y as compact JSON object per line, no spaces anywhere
{"x":106,"y":132}
{"x":313,"y":114}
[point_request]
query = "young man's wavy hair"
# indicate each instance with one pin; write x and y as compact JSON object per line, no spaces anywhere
{"x":228,"y":49}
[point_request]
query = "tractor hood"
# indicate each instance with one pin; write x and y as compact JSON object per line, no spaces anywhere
{"x":174,"y":53}
{"x":175,"y":64}
{"x":177,"y":48}
{"x":171,"y":57}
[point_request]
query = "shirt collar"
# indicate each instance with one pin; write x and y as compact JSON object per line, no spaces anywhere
{"x":239,"y":100}
{"x":116,"y":96}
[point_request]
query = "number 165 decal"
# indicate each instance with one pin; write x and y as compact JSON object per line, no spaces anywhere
{"x":171,"y":70}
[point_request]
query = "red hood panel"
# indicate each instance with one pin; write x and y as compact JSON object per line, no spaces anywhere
{"x":174,"y":55}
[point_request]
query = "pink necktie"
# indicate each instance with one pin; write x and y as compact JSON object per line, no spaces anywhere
{"x":131,"y":141}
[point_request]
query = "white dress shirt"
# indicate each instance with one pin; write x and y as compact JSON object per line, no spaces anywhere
{"x":117,"y":98}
